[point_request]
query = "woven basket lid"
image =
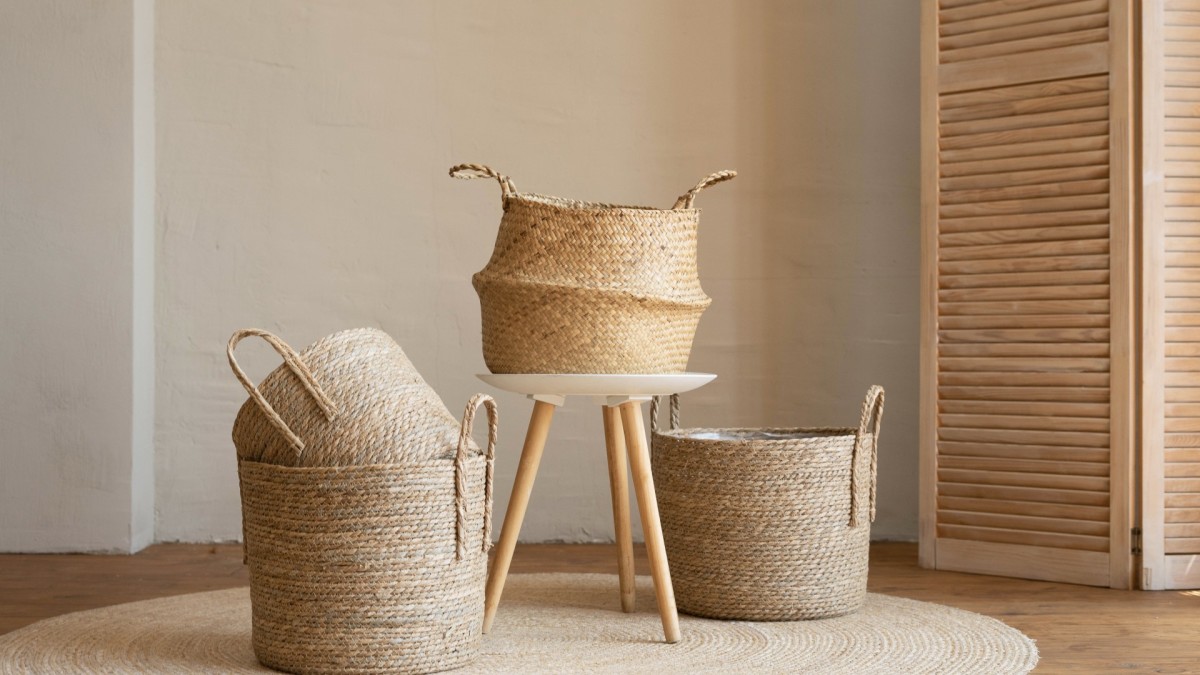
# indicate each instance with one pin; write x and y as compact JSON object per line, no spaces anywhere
{"x":352,"y":398}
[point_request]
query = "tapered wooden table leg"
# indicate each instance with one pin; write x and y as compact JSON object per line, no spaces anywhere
{"x":531,"y":455}
{"x":656,"y":550}
{"x":614,"y":441}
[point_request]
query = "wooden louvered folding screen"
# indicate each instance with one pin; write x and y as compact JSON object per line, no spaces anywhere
{"x":1171,"y":293}
{"x":1027,"y":358}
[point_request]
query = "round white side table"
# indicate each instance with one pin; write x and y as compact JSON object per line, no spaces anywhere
{"x":621,"y":398}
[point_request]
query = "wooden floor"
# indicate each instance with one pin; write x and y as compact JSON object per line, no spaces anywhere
{"x":1078,"y":629}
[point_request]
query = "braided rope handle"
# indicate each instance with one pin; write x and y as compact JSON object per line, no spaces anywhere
{"x":460,"y":472}
{"x":469,"y":171}
{"x":868,"y":422}
{"x":686,"y":199}
{"x":297,"y":366}
{"x":674,"y":420}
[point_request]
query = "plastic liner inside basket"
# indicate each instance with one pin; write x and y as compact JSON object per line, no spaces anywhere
{"x":752,"y":434}
{"x":351,"y":398}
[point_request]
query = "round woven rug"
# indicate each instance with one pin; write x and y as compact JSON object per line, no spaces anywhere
{"x":548,"y":623}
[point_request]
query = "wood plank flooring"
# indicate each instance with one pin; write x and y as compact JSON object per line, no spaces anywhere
{"x":1078,"y":629}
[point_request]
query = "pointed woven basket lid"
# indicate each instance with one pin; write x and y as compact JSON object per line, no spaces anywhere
{"x":352,"y":398}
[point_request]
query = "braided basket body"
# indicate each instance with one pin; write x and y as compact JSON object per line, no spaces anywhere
{"x":353,"y":569}
{"x":768,"y":524}
{"x":366,"y":511}
{"x":582,"y":287}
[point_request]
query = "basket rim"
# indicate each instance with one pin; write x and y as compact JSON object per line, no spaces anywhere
{"x":584,"y":206}
{"x":685,"y":433}
{"x":406,"y":467}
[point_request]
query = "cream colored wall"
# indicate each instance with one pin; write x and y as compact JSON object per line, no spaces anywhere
{"x":303,"y":149}
{"x":76,"y":247}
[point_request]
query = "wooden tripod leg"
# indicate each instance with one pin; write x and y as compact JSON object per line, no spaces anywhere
{"x":531,"y":455}
{"x":614,"y":441}
{"x":656,"y":550}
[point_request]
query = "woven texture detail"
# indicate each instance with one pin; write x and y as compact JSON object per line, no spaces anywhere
{"x":585,"y":287}
{"x":354,"y":569}
{"x":768,"y":524}
{"x":379,"y":411}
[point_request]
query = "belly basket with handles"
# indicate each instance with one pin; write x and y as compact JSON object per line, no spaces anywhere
{"x":585,"y":287}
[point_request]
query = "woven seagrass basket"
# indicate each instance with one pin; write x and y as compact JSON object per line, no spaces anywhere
{"x":369,"y":566}
{"x":768,"y":524}
{"x":583,"y":287}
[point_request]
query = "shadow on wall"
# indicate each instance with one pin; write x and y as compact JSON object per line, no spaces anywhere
{"x":838,"y":237}
{"x":812,"y":254}
{"x":302,"y":188}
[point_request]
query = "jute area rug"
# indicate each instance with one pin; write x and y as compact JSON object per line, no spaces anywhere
{"x":547,"y":623}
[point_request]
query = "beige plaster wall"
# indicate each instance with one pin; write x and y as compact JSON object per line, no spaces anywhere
{"x":76,"y":246}
{"x":302,"y":156}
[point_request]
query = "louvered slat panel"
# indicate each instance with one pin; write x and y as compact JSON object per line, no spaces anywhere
{"x":1016,"y":349}
{"x":949,"y":461}
{"x":1183,"y":501}
{"x":1017,"y":33}
{"x":1024,"y":494}
{"x":1018,"y":379}
{"x":1023,"y":293}
{"x":1024,"y":220}
{"x":1022,"y":178}
{"x":1025,"y":537}
{"x":1020,"y":153}
{"x":1042,"y":421}
{"x":1032,"y":335}
{"x":1183,"y":546}
{"x":1029,"y":394}
{"x":1181,"y":286}
{"x":1075,"y":511}
{"x":1056,"y":453}
{"x":983,"y":294}
{"x":1023,"y":322}
{"x":1024,"y":522}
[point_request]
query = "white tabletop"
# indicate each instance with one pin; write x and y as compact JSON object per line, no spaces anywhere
{"x":534,"y":384}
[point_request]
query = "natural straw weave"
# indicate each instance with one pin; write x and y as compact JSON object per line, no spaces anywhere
{"x":768,"y":524}
{"x":350,"y":398}
{"x":376,"y":568}
{"x":367,"y":567}
{"x":583,"y":287}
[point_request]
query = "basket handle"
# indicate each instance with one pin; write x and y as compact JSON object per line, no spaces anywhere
{"x":460,"y":472}
{"x":469,"y":171}
{"x":302,"y":372}
{"x":686,"y":199}
{"x":868,"y":422}
{"x":674,"y":420}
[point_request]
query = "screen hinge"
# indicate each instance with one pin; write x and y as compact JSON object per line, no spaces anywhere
{"x":1136,"y":540}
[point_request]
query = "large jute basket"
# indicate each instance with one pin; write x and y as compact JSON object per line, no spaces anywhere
{"x":373,"y":567}
{"x":584,"y":287}
{"x":768,"y":524}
